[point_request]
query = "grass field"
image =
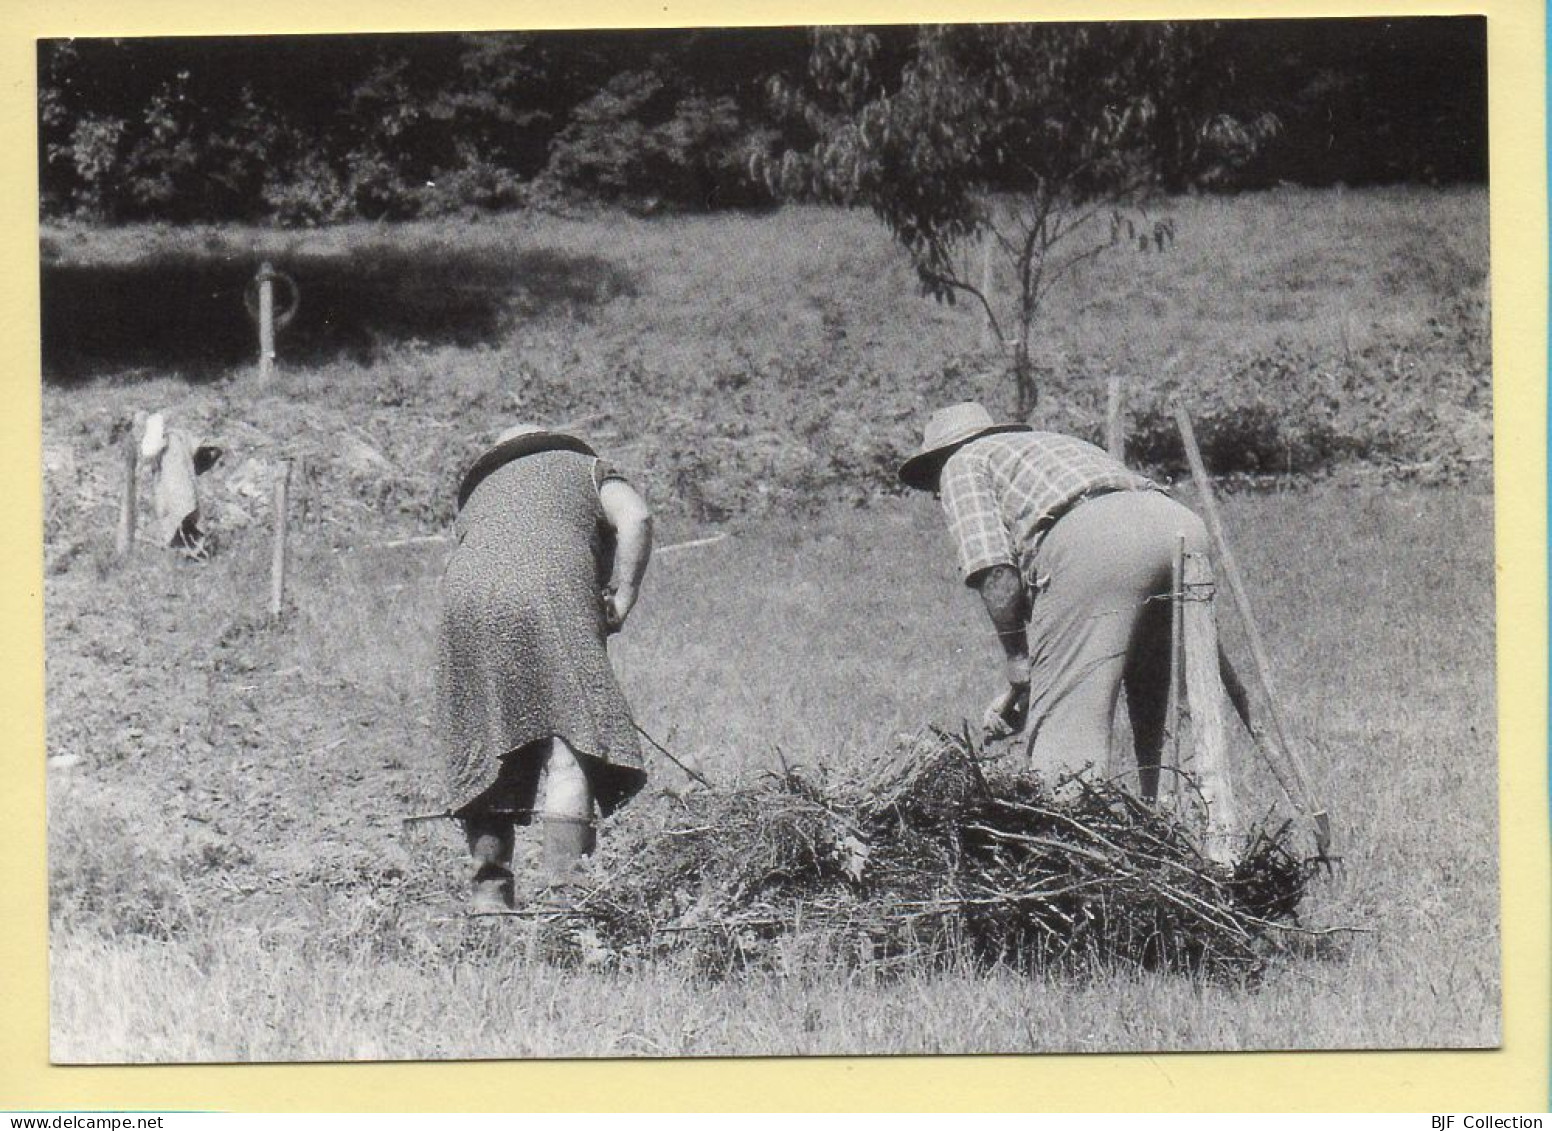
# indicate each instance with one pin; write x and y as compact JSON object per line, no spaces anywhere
{"x":225,"y":794}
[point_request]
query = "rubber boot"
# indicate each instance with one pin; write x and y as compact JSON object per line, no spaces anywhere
{"x":490,"y":848}
{"x":567,"y":841}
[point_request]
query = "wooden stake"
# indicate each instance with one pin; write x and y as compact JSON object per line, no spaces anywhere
{"x":1317,"y":814}
{"x":1204,"y":699}
{"x":301,"y":496}
{"x":1177,"y":581}
{"x":129,"y":503}
{"x":266,"y":320}
{"x":277,"y":580}
{"x":1115,"y":431}
{"x":988,"y":332}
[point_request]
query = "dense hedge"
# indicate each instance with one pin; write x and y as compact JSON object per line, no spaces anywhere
{"x":310,"y":129}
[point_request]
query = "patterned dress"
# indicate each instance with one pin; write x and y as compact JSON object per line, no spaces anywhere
{"x":522,"y":653}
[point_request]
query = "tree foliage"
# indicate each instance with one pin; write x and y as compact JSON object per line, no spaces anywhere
{"x":677,"y":125}
{"x":310,"y":129}
{"x":1027,"y":142}
{"x":387,"y":126}
{"x":1363,"y":101}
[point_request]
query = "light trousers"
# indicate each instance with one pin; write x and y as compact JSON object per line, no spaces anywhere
{"x":1100,"y":620}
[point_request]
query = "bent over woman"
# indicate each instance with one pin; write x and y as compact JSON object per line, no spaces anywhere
{"x":551,"y":548}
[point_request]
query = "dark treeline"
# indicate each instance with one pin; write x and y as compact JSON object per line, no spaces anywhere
{"x":311,"y":129}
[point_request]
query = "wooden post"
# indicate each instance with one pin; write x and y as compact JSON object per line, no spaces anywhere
{"x":1115,"y":431}
{"x":303,"y":492}
{"x":988,"y":331}
{"x":1317,"y":813}
{"x":1204,"y":699}
{"x":277,"y":579}
{"x":266,"y":280}
{"x":1177,"y":581}
{"x":129,"y":503}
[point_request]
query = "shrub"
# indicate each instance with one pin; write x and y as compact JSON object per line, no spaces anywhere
{"x":640,"y":142}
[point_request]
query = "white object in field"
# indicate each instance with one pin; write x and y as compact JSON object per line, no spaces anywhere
{"x":266,"y":322}
{"x":694,"y":543}
{"x":260,"y":301}
{"x":154,"y":442}
{"x":176,"y":458}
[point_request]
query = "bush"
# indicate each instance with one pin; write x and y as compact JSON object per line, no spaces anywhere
{"x":639,"y":142}
{"x":1419,"y":408}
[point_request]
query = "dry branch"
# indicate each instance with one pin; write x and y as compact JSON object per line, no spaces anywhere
{"x":928,"y":861}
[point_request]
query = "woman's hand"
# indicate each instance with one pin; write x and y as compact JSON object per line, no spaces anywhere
{"x":627,"y":514}
{"x":617,"y":606}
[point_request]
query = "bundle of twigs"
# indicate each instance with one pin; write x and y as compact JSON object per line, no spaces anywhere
{"x":928,"y":860}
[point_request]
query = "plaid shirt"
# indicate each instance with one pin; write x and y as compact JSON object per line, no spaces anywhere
{"x":1003,"y":492}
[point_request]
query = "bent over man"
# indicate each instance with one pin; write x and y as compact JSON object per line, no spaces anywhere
{"x":552,"y":545}
{"x":1071,"y":553}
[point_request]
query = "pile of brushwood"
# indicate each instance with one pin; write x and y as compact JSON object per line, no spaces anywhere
{"x":932,"y":861}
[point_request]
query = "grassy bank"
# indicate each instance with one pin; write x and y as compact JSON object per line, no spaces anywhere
{"x":741,"y":365}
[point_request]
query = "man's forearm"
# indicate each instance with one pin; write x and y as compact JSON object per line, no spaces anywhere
{"x":1002,"y":592}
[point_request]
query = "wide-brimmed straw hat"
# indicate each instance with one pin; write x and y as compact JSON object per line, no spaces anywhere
{"x":947,"y":430}
{"x":517,"y":441}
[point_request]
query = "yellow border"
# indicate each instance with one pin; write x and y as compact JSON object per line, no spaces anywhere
{"x":1514,"y":1078}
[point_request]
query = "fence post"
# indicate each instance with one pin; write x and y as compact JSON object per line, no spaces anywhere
{"x":988,"y":335}
{"x":1312,"y":809}
{"x":266,"y":279}
{"x":129,"y":502}
{"x":1177,"y":582}
{"x":277,"y":586}
{"x":1204,"y":701}
{"x":1115,"y":431}
{"x":301,"y":491}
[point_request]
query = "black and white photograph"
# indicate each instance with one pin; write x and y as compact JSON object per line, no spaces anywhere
{"x":769,"y":542}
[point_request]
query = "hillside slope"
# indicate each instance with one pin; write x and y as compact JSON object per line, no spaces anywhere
{"x":740,"y":365}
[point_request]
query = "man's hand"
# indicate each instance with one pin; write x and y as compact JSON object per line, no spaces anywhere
{"x":1007,"y":713}
{"x":1002,"y":592}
